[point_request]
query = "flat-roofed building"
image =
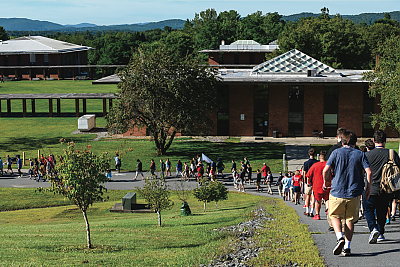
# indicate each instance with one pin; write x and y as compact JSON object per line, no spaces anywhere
{"x":241,"y":53}
{"x":38,"y":57}
{"x":291,"y":95}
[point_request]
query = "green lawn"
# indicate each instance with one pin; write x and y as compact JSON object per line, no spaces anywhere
{"x":55,"y":87}
{"x":59,"y":87}
{"x":18,"y":135}
{"x":56,"y":236}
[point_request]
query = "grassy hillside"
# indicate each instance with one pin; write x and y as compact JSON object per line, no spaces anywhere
{"x":56,"y":236}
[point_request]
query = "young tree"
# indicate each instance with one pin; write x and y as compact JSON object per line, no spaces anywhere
{"x":204,"y":193}
{"x":219,"y":192}
{"x":155,"y":191}
{"x":164,"y":93}
{"x":210,"y":191}
{"x":385,"y":82}
{"x":80,"y":178}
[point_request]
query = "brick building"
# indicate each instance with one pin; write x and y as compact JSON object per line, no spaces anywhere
{"x":239,"y":54}
{"x":31,"y":57}
{"x":292,"y":95}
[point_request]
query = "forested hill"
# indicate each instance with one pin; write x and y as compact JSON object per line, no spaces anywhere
{"x":22,"y":24}
{"x":26,"y":25}
{"x":368,"y":18}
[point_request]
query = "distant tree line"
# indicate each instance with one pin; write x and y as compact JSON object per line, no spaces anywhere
{"x":333,"y":40}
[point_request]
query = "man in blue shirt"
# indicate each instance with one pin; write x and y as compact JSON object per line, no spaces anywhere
{"x":348,"y":165}
{"x":19,"y":166}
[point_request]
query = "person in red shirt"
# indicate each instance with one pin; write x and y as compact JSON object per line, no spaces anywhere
{"x":320,"y":192}
{"x":265,"y":169}
{"x":296,"y":181}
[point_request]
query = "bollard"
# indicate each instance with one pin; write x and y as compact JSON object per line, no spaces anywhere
{"x":284,"y":163}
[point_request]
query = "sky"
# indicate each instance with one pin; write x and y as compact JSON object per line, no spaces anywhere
{"x":114,"y":12}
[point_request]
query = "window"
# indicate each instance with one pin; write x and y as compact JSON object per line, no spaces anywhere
{"x":46,"y":59}
{"x":32,"y":59}
{"x":261,"y":109}
{"x":296,"y":110}
{"x":223,"y":110}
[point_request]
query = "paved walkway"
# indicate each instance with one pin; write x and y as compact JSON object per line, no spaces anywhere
{"x":383,"y":254}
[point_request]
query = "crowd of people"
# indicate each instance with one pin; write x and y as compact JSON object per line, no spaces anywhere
{"x":347,"y":179}
{"x":38,"y":169}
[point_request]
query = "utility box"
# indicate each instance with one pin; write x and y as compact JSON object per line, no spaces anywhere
{"x":87,"y":122}
{"x":129,"y":201}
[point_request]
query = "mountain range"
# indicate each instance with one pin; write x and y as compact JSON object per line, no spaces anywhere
{"x":24,"y":24}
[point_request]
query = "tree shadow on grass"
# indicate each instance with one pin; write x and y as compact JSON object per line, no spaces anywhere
{"x":227,"y":151}
{"x":17,"y":144}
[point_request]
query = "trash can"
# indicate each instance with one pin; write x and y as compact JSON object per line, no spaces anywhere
{"x":275,"y":134}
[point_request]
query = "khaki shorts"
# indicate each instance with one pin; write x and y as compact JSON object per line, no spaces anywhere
{"x":344,"y":208}
{"x":307,"y":190}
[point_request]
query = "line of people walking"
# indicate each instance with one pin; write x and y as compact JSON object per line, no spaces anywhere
{"x":347,"y":179}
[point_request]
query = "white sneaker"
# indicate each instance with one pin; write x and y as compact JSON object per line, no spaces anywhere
{"x":381,"y":238}
{"x":373,"y":237}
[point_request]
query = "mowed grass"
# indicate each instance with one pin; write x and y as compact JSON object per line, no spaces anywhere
{"x":28,"y":198}
{"x":18,"y":135}
{"x":286,"y":239}
{"x":56,"y":236}
{"x":55,"y":87}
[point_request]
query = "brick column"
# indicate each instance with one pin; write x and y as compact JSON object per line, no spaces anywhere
{"x":84,"y":106}
{"x":33,"y":106}
{"x":313,"y":109}
{"x":241,"y":102}
{"x":24,"y":107}
{"x":50,"y":107}
{"x":104,"y":107}
{"x":8,"y":107}
{"x":77,"y":107}
{"x":278,"y":109}
{"x":58,"y":107}
{"x":350,"y":115}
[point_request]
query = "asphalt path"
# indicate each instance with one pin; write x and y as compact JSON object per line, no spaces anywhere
{"x":363,"y":254}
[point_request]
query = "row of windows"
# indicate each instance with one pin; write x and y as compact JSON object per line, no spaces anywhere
{"x":296,"y":110}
